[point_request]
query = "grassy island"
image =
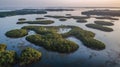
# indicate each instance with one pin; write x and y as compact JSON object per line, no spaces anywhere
{"x":16,"y":33}
{"x":80,"y":17}
{"x":22,"y":12}
{"x":40,"y":18}
{"x":62,"y":19}
{"x":29,"y":55}
{"x":22,"y":19}
{"x":81,"y":21}
{"x":7,"y":58}
{"x":59,"y":9}
{"x":102,"y":12}
{"x":37,"y":22}
{"x":99,"y":27}
{"x":57,"y":17}
{"x":104,"y":23}
{"x":106,"y":17}
{"x":86,"y":37}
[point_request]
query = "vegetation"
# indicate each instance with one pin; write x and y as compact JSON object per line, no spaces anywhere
{"x":86,"y":37}
{"x":7,"y":58}
{"x":39,"y":18}
{"x":59,"y":9}
{"x":104,"y":23}
{"x":2,"y":47}
{"x":81,"y":21}
{"x":53,"y":42}
{"x":80,"y":17}
{"x":62,"y":19}
{"x":37,"y":22}
{"x":57,"y":17}
{"x":102,"y":12}
{"x":16,"y":33}
{"x":68,"y":14}
{"x":99,"y":27}
{"x":22,"y":19}
{"x":106,"y":17}
{"x":29,"y":55}
{"x":22,"y":12}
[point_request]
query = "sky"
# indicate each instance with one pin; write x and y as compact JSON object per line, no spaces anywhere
{"x":59,"y":3}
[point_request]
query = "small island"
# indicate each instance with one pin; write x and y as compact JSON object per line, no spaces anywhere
{"x":102,"y":12}
{"x":99,"y":27}
{"x":17,"y":33}
{"x":22,"y":19}
{"x":105,"y":23}
{"x":7,"y":58}
{"x":62,"y":19}
{"x":36,"y":22}
{"x":107,"y":17}
{"x":81,"y":21}
{"x":29,"y":55}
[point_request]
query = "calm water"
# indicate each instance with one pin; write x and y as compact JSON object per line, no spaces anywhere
{"x":83,"y":57}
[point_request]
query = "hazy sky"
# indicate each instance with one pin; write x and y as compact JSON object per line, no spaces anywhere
{"x":59,"y":3}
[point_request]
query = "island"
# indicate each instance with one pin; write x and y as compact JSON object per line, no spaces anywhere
{"x":36,"y":22}
{"x":54,"y":41}
{"x":99,"y":27}
{"x":16,"y":33}
{"x":22,"y":12}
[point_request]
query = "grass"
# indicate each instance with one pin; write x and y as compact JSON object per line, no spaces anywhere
{"x":99,"y":27}
{"x":17,"y":33}
{"x":104,"y":23}
{"x":37,"y":22}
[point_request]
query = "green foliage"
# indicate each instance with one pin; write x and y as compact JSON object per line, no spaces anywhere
{"x":99,"y":27}
{"x":86,"y":37}
{"x":16,"y":33}
{"x":2,"y":47}
{"x":29,"y":55}
{"x":7,"y":58}
{"x":54,"y":42}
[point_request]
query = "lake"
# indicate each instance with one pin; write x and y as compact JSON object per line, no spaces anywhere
{"x":83,"y":57}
